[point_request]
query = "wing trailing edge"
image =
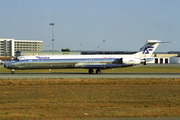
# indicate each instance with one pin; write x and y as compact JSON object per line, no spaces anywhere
{"x":105,"y":66}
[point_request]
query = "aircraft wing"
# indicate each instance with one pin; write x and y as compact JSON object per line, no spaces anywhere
{"x":103,"y":66}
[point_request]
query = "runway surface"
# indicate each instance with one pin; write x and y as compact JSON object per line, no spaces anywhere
{"x":177,"y":118}
{"x":86,"y":75}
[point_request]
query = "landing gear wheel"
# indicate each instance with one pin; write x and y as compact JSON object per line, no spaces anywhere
{"x":98,"y":71}
{"x":144,"y":62}
{"x":12,"y":71}
{"x":91,"y":71}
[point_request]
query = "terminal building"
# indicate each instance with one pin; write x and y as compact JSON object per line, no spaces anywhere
{"x":8,"y":47}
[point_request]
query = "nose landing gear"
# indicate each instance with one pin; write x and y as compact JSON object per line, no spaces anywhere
{"x":12,"y":71}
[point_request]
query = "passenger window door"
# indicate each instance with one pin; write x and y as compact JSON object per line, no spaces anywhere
{"x":23,"y":61}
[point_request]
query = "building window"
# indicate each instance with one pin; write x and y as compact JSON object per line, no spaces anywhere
{"x":156,"y":60}
{"x":166,"y":60}
{"x":161,"y":60}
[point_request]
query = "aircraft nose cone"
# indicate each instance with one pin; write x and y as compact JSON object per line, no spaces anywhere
{"x":6,"y":65}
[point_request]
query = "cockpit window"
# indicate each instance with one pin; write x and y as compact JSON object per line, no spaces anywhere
{"x":16,"y":59}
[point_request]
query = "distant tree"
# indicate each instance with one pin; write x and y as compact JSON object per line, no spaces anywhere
{"x":66,"y":50}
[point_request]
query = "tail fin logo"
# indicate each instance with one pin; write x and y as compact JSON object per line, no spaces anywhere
{"x":147,"y":49}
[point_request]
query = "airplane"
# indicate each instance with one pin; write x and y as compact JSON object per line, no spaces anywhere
{"x":98,"y":62}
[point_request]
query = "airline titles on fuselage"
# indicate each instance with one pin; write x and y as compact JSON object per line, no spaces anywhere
{"x":42,"y":57}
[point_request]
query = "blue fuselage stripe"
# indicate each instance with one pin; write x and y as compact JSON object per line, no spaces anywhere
{"x":72,"y":60}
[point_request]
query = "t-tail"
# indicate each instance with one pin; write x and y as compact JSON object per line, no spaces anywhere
{"x":147,"y":50}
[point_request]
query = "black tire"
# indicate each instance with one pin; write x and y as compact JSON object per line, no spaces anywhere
{"x":98,"y":71}
{"x":91,"y":71}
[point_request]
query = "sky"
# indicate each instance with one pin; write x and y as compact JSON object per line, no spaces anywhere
{"x":123,"y":25}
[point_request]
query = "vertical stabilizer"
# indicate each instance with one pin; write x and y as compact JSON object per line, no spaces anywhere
{"x":148,"y":49}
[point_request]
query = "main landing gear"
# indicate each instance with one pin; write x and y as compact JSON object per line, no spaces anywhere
{"x":98,"y":71}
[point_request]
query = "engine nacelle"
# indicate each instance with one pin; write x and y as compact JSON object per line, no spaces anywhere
{"x":131,"y":61}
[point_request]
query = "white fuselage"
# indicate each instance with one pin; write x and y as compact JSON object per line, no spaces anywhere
{"x":70,"y":61}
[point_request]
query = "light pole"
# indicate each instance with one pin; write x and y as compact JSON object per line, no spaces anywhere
{"x":98,"y":49}
{"x":103,"y":45}
{"x":52,"y":24}
{"x":47,"y":47}
{"x":81,"y":47}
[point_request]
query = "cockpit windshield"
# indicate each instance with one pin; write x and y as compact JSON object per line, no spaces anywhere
{"x":15,"y":59}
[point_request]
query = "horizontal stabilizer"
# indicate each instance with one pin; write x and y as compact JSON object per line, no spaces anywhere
{"x":157,"y":41}
{"x":153,"y":41}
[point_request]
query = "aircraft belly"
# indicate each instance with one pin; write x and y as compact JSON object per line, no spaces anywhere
{"x":43,"y":65}
{"x":55,"y":65}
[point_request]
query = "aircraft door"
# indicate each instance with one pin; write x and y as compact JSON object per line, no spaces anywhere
{"x":23,"y":61}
